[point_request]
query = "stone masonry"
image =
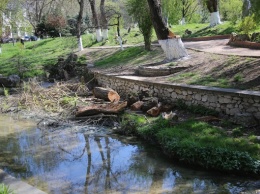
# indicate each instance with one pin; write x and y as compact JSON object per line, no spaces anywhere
{"x":231,"y":102}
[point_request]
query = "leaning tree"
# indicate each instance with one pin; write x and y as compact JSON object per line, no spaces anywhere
{"x":171,"y":44}
{"x":212,"y":6}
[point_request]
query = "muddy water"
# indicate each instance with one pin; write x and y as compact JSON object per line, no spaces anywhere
{"x":77,"y":160}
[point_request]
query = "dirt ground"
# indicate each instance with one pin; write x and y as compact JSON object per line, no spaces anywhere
{"x":203,"y":68}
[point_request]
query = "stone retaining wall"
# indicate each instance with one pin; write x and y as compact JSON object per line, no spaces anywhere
{"x":206,"y":38}
{"x":236,"y":103}
{"x":245,"y":44}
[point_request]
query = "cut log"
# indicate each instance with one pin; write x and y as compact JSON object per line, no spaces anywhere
{"x":137,"y":105}
{"x":94,"y":109}
{"x":106,"y":94}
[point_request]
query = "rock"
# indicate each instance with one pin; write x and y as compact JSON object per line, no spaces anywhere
{"x":170,"y":116}
{"x":137,"y":105}
{"x":149,"y":103}
{"x":131,"y":99}
{"x":244,"y":119}
{"x":10,"y":81}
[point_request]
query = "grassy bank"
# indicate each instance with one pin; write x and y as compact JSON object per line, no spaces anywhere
{"x":199,"y":144}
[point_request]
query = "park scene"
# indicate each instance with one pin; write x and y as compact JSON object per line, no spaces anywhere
{"x":129,"y":96}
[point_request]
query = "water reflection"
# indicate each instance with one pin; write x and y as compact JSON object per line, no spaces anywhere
{"x":76,"y":160}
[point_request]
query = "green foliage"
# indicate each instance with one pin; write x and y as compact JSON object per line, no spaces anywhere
{"x":30,"y":61}
{"x":237,"y":132}
{"x":173,"y":9}
{"x":227,"y":8}
{"x":130,"y":123}
{"x":69,"y":101}
{"x":6,"y":92}
{"x":238,"y":77}
{"x":255,"y":7}
{"x":139,"y":9}
{"x":201,"y":144}
{"x":4,"y":189}
{"x":248,"y":24}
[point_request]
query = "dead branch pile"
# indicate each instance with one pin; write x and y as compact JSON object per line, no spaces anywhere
{"x":60,"y":98}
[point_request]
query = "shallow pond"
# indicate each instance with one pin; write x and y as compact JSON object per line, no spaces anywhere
{"x":82,"y":159}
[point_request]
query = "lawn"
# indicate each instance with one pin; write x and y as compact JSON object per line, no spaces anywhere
{"x":32,"y":60}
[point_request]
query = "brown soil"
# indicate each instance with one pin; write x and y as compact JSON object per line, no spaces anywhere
{"x":204,"y":68}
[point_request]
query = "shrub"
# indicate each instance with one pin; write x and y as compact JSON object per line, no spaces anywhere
{"x":248,"y":24}
{"x":5,"y":189}
{"x":201,"y":144}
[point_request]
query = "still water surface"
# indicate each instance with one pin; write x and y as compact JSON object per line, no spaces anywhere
{"x":78,"y":160}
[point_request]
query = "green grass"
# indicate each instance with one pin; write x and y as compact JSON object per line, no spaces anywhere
{"x":201,"y":144}
{"x":30,"y":61}
{"x":204,"y":29}
{"x":121,"y":57}
{"x":5,"y":189}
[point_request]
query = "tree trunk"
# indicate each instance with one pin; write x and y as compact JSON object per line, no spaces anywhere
{"x":212,"y":6}
{"x":161,"y":30}
{"x":95,"y":109}
{"x":173,"y":47}
{"x":95,"y":19}
{"x":79,"y":22}
{"x":104,"y":20}
{"x":245,"y":8}
{"x":106,"y":94}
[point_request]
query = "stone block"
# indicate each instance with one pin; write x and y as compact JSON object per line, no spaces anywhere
{"x":212,"y":98}
{"x":245,"y":119}
{"x":174,"y":95}
{"x":204,"y":98}
{"x":198,"y":97}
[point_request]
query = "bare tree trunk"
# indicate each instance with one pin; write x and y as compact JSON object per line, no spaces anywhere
{"x":88,"y":175}
{"x":171,"y":45}
{"x":212,"y":6}
{"x":79,"y":22}
{"x":104,"y":19}
{"x":95,"y":19}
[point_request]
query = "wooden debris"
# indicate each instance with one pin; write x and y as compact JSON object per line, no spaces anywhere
{"x":207,"y":119}
{"x":94,"y":109}
{"x":106,"y":94}
{"x":137,"y":105}
{"x":149,"y":102}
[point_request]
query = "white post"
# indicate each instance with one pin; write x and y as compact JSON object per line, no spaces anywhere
{"x":99,"y":35}
{"x":214,"y":19}
{"x":105,"y":34}
{"x":183,"y":21}
{"x":119,"y":39}
{"x":80,"y":44}
{"x":173,"y":48}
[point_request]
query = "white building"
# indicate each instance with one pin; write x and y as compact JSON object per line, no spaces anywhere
{"x":14,"y":26}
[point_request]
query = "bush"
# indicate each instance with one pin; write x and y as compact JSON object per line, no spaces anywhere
{"x":248,"y":24}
